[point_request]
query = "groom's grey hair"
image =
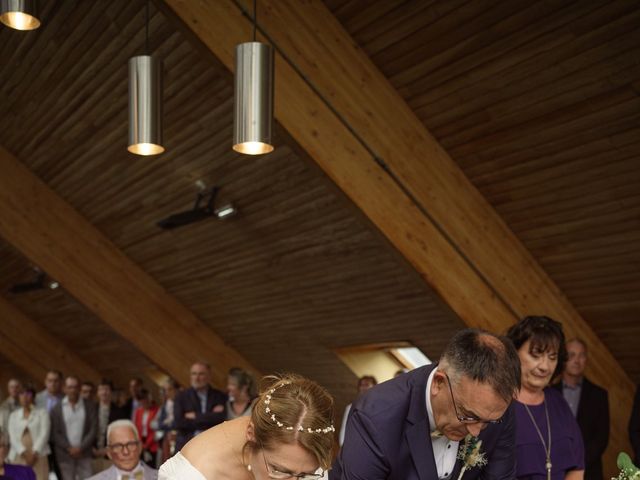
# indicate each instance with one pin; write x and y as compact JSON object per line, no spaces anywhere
{"x":483,"y":357}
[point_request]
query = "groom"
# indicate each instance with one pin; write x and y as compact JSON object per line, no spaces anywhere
{"x":413,"y":426}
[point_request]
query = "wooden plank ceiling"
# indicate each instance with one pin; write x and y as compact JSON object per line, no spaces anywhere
{"x":536,"y":102}
{"x":298,"y":272}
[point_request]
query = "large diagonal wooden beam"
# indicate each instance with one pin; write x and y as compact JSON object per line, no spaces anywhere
{"x":53,"y":235}
{"x":40,"y":351}
{"x":352,"y":122}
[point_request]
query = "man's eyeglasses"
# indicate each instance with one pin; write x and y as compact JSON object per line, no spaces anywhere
{"x":470,"y":418}
{"x":277,"y":474}
{"x":119,"y":447}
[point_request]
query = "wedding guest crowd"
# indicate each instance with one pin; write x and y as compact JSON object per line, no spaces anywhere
{"x":523,"y":397}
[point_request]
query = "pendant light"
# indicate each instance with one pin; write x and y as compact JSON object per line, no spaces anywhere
{"x":19,"y":14}
{"x":253,"y":99}
{"x":145,"y":101}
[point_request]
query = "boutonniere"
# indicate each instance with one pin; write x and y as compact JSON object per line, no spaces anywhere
{"x":628,"y":471}
{"x":470,"y":454}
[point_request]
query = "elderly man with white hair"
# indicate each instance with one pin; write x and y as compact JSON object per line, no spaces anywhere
{"x":124,"y":449}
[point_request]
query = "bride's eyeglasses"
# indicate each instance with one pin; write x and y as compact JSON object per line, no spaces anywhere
{"x":277,"y":474}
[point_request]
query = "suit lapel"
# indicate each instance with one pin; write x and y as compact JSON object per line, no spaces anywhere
{"x":417,"y":434}
{"x":421,"y":450}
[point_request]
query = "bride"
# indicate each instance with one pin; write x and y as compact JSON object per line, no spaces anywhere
{"x":288,"y":435}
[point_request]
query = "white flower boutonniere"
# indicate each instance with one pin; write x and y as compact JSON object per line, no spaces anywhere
{"x":628,"y":471}
{"x":470,"y":454}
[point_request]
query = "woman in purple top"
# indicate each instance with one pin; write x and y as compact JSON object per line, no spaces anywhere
{"x":548,"y":440}
{"x":12,"y":472}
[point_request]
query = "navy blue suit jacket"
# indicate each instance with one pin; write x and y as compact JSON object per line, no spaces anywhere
{"x":188,"y":401}
{"x":388,"y":437}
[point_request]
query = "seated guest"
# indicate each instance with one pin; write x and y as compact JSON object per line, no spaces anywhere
{"x":29,"y":429}
{"x":548,"y":440}
{"x":589,"y":403}
{"x":288,"y":435}
{"x":124,"y":449}
{"x":417,"y":425}
{"x":364,"y":384}
{"x":198,"y":407}
{"x":12,"y":472}
{"x":143,"y":416}
{"x":241,"y":389}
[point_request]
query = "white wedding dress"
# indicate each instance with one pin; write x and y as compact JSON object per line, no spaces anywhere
{"x":179,"y":468}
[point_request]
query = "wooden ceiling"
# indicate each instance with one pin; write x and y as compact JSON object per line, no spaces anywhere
{"x":297,"y":273}
{"x":539,"y":104}
{"x":536,"y":102}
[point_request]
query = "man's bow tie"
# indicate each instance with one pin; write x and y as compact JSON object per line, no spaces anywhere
{"x":139,"y":475}
{"x":436,"y":434}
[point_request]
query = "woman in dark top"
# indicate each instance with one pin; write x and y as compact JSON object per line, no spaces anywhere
{"x":12,"y":472}
{"x":548,"y":440}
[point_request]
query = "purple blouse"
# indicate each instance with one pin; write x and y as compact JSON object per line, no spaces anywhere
{"x":567,"y":448}
{"x":18,"y":472}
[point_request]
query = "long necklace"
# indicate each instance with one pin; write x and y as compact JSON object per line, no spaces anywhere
{"x":547,"y":446}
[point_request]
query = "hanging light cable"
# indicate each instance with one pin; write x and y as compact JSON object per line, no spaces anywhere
{"x":253,"y":99}
{"x":145,"y":101}
{"x":19,"y":14}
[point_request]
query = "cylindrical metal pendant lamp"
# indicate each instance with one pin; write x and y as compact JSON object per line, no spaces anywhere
{"x":19,"y":14}
{"x":253,"y":115}
{"x":145,"y":105}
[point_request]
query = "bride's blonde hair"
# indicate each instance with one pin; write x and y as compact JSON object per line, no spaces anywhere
{"x":294,"y":409}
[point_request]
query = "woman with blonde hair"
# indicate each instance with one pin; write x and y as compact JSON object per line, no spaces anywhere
{"x":288,"y":435}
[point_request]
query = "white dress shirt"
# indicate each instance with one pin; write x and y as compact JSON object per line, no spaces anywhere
{"x":73,"y":420}
{"x":445,"y":451}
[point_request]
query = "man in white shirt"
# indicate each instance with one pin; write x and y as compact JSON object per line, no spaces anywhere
{"x":124,"y":449}
{"x":73,"y":432}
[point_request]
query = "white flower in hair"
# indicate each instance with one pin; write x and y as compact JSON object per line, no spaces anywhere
{"x":267,"y":401}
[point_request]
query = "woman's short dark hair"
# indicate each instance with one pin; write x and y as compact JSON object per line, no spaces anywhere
{"x":483,"y":357}
{"x":544,"y":333}
{"x":29,"y":389}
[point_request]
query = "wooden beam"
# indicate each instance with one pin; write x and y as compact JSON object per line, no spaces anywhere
{"x":14,"y":353}
{"x":347,"y":116}
{"x":40,"y":346}
{"x":54,"y":236}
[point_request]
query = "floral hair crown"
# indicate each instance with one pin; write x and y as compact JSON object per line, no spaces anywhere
{"x":279,"y":424}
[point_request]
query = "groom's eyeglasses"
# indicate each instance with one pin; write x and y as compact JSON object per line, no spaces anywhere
{"x":465,"y":418}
